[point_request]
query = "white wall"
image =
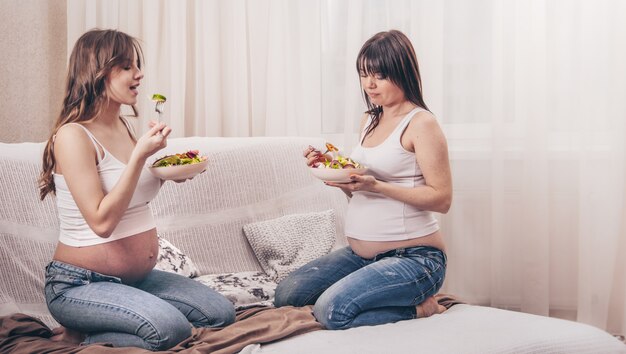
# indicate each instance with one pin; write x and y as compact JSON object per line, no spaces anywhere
{"x":32,"y":73}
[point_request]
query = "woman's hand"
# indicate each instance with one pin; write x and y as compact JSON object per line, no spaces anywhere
{"x":358,"y":183}
{"x":314,"y":157}
{"x":153,"y":140}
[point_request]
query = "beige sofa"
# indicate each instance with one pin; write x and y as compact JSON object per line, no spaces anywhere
{"x":251,"y":180}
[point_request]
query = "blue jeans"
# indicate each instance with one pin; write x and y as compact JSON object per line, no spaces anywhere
{"x":350,"y":291}
{"x":154,"y":314}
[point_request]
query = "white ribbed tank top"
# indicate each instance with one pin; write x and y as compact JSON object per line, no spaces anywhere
{"x":375,"y":217}
{"x":74,"y":230}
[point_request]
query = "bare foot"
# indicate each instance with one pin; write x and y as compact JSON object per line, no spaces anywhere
{"x":429,"y":307}
{"x":62,"y":334}
{"x":447,"y":300}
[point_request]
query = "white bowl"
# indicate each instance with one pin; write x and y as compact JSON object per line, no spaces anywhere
{"x":336,"y":175}
{"x":179,"y":172}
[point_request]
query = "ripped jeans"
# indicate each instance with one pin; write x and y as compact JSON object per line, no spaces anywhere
{"x":350,"y":291}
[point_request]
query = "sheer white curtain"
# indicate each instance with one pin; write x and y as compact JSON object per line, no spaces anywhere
{"x":228,"y":68}
{"x":529,"y":93}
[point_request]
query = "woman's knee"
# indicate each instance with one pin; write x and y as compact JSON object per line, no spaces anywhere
{"x":303,"y":286}
{"x":221,"y":314}
{"x":338,"y":306}
{"x":212,"y":310}
{"x":281,"y":295}
{"x":164,"y":332}
{"x":329,"y":315}
{"x":289,"y":293}
{"x":226,"y":316}
{"x":201,"y":305}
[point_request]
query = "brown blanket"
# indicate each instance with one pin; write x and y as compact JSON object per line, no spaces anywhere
{"x":20,"y":333}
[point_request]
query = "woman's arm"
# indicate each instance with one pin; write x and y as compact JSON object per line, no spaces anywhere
{"x":76,"y":159}
{"x":313,"y":155}
{"x":424,"y":136}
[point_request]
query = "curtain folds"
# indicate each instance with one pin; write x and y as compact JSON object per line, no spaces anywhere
{"x":529,"y":93}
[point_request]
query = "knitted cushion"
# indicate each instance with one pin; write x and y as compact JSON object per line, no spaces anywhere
{"x":284,"y":244}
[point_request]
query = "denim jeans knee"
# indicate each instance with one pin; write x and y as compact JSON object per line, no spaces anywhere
{"x":203,"y":306}
{"x":111,"y":312}
{"x":386,"y":289}
{"x":304,"y":285}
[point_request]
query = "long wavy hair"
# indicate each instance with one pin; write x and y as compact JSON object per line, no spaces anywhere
{"x":390,"y":55}
{"x":95,"y":55}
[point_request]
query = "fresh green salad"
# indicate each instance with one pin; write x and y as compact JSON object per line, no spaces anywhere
{"x":186,"y":158}
{"x":157,"y":97}
{"x":338,"y":161}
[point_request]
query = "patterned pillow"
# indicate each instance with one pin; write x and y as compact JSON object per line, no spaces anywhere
{"x":244,"y":289}
{"x":284,"y":244}
{"x":171,"y":259}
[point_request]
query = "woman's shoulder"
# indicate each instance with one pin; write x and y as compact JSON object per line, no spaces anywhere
{"x":424,"y":129}
{"x":423,"y":120}
{"x":72,"y":137}
{"x":71,"y":132}
{"x":423,"y":115}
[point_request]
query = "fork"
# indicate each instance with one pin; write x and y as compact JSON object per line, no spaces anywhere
{"x":159,"y":109}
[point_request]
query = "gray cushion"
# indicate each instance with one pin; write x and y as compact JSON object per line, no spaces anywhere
{"x":284,"y":244}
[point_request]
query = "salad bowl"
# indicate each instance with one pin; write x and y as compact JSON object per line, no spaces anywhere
{"x":179,"y":166}
{"x":179,"y":172}
{"x":341,"y":175}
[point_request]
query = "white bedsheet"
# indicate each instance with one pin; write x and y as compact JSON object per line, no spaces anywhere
{"x":461,"y":329}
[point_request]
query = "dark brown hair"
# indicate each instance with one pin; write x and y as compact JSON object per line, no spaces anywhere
{"x":390,"y":55}
{"x":95,"y":54}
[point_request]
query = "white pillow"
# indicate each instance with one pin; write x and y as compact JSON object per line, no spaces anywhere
{"x":173,"y":260}
{"x":284,"y":244}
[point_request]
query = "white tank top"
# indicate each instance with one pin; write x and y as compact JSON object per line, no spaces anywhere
{"x":74,"y":230}
{"x":375,"y":217}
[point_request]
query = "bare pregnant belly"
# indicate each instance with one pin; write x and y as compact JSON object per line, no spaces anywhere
{"x":369,"y":249}
{"x":130,"y":258}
